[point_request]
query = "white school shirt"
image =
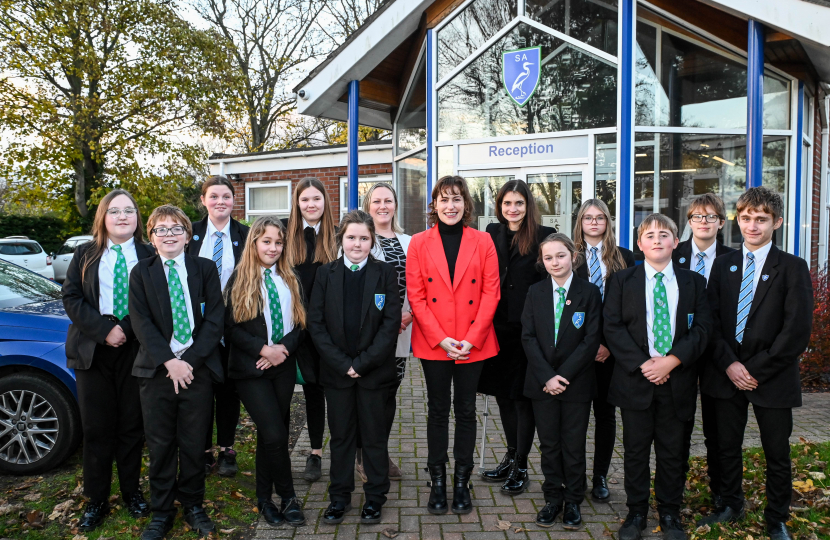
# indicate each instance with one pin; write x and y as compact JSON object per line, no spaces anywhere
{"x":708,"y":260}
{"x":760,"y":258}
{"x":206,"y":251}
{"x":285,"y":303}
{"x":348,"y":262}
{"x":179,"y":348}
{"x":566,"y":286}
{"x":589,"y":259}
{"x":316,"y":227}
{"x":672,"y":295}
{"x":106,"y":272}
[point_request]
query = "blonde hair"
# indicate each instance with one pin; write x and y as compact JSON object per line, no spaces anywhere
{"x":663,"y":222}
{"x":245,"y":294}
{"x":367,"y":201}
{"x":169,"y":211}
{"x":611,"y":256}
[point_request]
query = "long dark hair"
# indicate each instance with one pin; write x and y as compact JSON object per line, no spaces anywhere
{"x":325,"y":250}
{"x":526,"y":236}
{"x":99,"y":229}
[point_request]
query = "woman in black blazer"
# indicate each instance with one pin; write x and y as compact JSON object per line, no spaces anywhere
{"x":220,"y":238}
{"x":516,"y":236}
{"x":101,"y":348}
{"x":311,"y":244}
{"x":594,"y":239}
{"x":264,"y":325}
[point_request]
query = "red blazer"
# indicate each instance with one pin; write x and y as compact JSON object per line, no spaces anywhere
{"x":462,"y":309}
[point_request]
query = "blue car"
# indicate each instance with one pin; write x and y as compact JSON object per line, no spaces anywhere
{"x":40,"y":423}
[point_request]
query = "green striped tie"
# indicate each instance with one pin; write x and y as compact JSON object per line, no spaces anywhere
{"x":181,"y":323}
{"x":560,"y":305}
{"x":120,"y":285}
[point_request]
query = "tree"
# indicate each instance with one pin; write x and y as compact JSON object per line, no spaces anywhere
{"x":346,"y":16}
{"x":91,"y":87}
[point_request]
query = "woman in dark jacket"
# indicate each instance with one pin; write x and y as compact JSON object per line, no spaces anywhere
{"x":516,"y":236}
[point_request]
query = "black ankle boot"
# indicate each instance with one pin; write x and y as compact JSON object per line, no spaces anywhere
{"x":438,"y":495}
{"x":499,"y":474}
{"x":461,"y":503}
{"x":517,"y":481}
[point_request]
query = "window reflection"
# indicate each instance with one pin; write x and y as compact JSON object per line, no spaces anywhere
{"x":605,"y":173}
{"x":412,"y":123}
{"x":591,"y":21}
{"x":412,"y":192}
{"x":19,"y":286}
{"x":483,"y":190}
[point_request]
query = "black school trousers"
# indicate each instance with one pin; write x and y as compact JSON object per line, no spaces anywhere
{"x":605,"y":419}
{"x":709,"y":420}
{"x":562,"y":428}
{"x":175,"y":426}
{"x":518,"y":423}
{"x":453,"y":384}
{"x":224,"y":409}
{"x":776,"y":426}
{"x":111,"y":418}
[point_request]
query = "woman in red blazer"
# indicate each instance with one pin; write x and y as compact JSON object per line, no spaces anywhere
{"x":452,"y":281}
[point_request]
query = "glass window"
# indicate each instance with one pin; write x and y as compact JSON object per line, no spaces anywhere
{"x":68,"y":247}
{"x":591,"y":21}
{"x":468,"y":31}
{"x":576,"y":91}
{"x":20,"y":248}
{"x":412,"y":192}
{"x":605,"y":174}
{"x":445,"y":161}
{"x":19,"y":286}
{"x":483,"y":190}
{"x":363,"y":185}
{"x":558,"y":198}
{"x":412,"y":122}
{"x":268,"y":199}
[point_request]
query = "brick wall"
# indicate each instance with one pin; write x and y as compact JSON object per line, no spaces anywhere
{"x":815,"y":196}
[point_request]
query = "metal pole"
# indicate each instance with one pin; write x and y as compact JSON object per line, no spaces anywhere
{"x":351,"y":143}
{"x":484,"y":431}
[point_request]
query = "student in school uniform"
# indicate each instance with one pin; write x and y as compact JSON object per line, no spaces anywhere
{"x":220,"y":238}
{"x":354,"y":317}
{"x":594,"y":238}
{"x":561,"y":325}
{"x":656,"y":321}
{"x":311,"y":243}
{"x":264,"y":325}
{"x":762,"y":299}
{"x":706,"y":216}
{"x":177,"y":313}
{"x":101,"y":348}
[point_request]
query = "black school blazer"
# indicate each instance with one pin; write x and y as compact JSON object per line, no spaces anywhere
{"x":80,"y":300}
{"x":573,"y":356}
{"x":375,"y":362}
{"x":246,"y":340}
{"x":682,"y":256}
{"x":777,"y":331}
{"x":626,"y":331}
{"x":516,"y":272}
{"x":152,"y":315}
{"x":239,"y":233}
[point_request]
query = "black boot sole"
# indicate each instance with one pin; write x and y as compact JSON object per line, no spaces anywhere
{"x":600,"y":499}
{"x":513,"y":492}
{"x":337,"y":521}
{"x":545,"y":525}
{"x":295,"y":523}
{"x":572,"y":527}
{"x":462,"y":511}
{"x":437,"y":511}
{"x":493,"y":480}
{"x":369,"y":521}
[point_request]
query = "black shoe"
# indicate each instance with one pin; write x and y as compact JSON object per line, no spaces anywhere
{"x":136,"y":505}
{"x":438,"y":494}
{"x":499,"y":474}
{"x":210,"y":462}
{"x":371,"y":512}
{"x":671,"y":527}
{"x":199,"y":521}
{"x":517,"y":480}
{"x":94,"y":515}
{"x":313,"y":468}
{"x":779,"y":532}
{"x":293,"y":512}
{"x":633,"y":527}
{"x":547,"y":515}
{"x":227,"y":462}
{"x":600,"y":491}
{"x":572,"y":518}
{"x":726,"y":515}
{"x":335,"y":513}
{"x":158,"y":527}
{"x":269,"y":511}
{"x":461,"y":502}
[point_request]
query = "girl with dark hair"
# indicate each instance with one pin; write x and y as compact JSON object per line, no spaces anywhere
{"x":452,"y":280}
{"x":101,"y":348}
{"x":516,"y":236}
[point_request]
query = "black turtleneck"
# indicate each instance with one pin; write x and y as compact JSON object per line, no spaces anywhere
{"x":451,"y":238}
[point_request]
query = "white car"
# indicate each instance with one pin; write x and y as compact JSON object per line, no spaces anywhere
{"x":65,"y":253}
{"x":22,"y":251}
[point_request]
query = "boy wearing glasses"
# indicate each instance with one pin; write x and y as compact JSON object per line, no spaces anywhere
{"x":178,"y":316}
{"x":706,"y":217}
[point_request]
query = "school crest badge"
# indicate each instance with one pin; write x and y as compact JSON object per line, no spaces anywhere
{"x":196,"y":237}
{"x":380,"y":301}
{"x":765,"y":277}
{"x":691,"y":317}
{"x":578,"y":319}
{"x":235,"y":243}
{"x":520,"y":73}
{"x":682,"y":260}
{"x":733,"y":268}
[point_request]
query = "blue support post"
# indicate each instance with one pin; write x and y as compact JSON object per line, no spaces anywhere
{"x":431,"y":135}
{"x":625,"y":134}
{"x":351,"y":143}
{"x":798,"y":172}
{"x":755,"y":104}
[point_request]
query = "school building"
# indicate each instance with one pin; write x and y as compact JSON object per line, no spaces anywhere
{"x":644,"y":105}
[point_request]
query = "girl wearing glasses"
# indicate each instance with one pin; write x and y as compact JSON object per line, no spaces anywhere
{"x":101,"y":347}
{"x":595,"y":240}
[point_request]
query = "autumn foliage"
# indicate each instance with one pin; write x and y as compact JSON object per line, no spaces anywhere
{"x":815,"y":362}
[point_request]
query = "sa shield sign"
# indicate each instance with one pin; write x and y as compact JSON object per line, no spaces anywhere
{"x":520,"y":73}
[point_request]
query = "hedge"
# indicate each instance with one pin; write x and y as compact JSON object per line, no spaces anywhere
{"x":49,"y":231}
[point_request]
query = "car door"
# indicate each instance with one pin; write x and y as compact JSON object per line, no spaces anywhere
{"x":62,"y":259}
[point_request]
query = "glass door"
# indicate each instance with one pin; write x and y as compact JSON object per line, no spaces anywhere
{"x":484,"y":185}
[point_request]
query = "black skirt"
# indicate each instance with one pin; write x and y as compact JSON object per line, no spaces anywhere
{"x":504,"y":374}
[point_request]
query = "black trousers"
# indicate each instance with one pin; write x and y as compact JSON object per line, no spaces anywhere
{"x":447,"y":381}
{"x":709,"y":419}
{"x":175,"y":426}
{"x":658,"y":424}
{"x":518,"y":423}
{"x":226,"y":409}
{"x":776,"y":426}
{"x":605,"y":419}
{"x":563,"y":428}
{"x":111,"y":418}
{"x":389,"y":408}
{"x":266,"y":399}
{"x":350,"y":409}
{"x":315,"y":412}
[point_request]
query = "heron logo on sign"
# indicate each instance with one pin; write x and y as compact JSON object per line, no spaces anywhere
{"x":520,"y":73}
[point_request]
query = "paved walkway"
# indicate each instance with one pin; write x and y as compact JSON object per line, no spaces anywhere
{"x":405,"y":511}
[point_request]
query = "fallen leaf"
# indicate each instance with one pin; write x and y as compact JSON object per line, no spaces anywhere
{"x":657,"y":530}
{"x":703,"y":529}
{"x":35,"y":516}
{"x":237,"y":495}
{"x":613,"y":481}
{"x":79,"y":537}
{"x":10,"y":508}
{"x":503,"y":525}
{"x":522,"y":529}
{"x":389,"y":533}
{"x":61,"y":510}
{"x":24,"y":485}
{"x":247,"y":473}
{"x":225,"y":531}
{"x":32,"y":497}
{"x":815,"y":475}
{"x":607,"y":532}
